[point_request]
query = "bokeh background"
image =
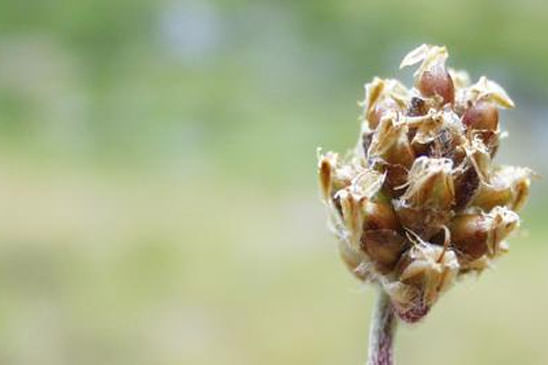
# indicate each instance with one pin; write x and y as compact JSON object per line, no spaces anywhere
{"x":157,"y":180}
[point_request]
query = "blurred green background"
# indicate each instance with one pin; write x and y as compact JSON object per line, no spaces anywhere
{"x":158,"y":189}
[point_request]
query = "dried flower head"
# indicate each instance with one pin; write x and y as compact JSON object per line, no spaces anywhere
{"x":419,"y":201}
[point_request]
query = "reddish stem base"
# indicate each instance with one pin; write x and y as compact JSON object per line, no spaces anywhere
{"x":381,"y":335}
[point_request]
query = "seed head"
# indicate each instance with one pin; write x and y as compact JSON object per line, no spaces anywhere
{"x":419,"y":201}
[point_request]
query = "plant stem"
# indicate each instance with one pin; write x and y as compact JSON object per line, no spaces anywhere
{"x":381,"y":333}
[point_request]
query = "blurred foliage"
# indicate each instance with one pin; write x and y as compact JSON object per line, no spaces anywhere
{"x":157,"y":178}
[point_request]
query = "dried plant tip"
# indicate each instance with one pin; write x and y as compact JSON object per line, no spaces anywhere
{"x":326,"y":166}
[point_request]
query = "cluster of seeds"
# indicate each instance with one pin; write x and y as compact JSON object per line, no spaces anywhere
{"x":418,"y":202}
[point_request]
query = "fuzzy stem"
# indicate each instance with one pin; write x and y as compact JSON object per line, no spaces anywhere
{"x":381,"y":333}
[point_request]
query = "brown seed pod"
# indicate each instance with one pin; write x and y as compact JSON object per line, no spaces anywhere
{"x":469,"y":234}
{"x":475,"y":235}
{"x":384,"y":247}
{"x":379,"y":215}
{"x":432,"y":78}
{"x":482,"y":115}
{"x":436,"y":81}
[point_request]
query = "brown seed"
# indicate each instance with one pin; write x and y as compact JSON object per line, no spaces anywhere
{"x":437,"y":81}
{"x":379,"y":215}
{"x":384,"y":247}
{"x":482,"y":115}
{"x":469,"y":234}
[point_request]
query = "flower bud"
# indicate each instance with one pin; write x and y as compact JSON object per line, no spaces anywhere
{"x":430,"y":184}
